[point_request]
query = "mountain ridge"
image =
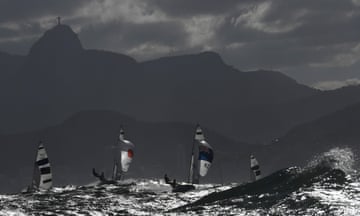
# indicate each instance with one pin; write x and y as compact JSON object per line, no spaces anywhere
{"x":246,"y":106}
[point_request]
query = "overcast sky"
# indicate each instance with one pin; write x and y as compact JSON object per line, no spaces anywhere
{"x":310,"y":40}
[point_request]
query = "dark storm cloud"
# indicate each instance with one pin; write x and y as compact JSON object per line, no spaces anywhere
{"x":20,"y":11}
{"x":126,"y":36}
{"x":272,"y":54}
{"x":20,"y":38}
{"x":22,"y":46}
{"x":282,"y":9}
{"x":296,"y":36}
{"x":312,"y":41}
{"x":191,"y":7}
{"x":26,"y":29}
{"x":323,"y":22}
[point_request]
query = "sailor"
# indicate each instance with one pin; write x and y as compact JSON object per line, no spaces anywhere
{"x":168,"y":181}
{"x":173,"y":184}
{"x":100,"y":176}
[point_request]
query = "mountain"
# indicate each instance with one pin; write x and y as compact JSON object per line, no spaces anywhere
{"x":59,"y":78}
{"x":335,"y":130}
{"x":8,"y":61}
{"x":58,"y":42}
{"x":9,"y":64}
{"x":276,"y":119}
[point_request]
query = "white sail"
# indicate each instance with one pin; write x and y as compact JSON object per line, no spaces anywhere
{"x":127,"y":154}
{"x":206,"y":156}
{"x":124,"y":153}
{"x":255,"y":169}
{"x":42,"y":178}
{"x":204,"y":152}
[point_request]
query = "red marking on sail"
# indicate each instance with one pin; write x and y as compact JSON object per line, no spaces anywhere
{"x":130,"y":153}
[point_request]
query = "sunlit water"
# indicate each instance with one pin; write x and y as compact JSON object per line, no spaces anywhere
{"x":326,"y":194}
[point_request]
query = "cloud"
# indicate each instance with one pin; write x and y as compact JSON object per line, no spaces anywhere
{"x":335,"y":84}
{"x":348,"y":58}
{"x":255,"y":17}
{"x":189,"y":8}
{"x":149,"y":50}
{"x":202,"y":29}
{"x":356,"y":2}
{"x":131,"y":11}
{"x":18,"y":11}
{"x":136,"y":40}
{"x":297,"y":37}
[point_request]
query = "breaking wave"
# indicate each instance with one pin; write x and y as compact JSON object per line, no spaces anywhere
{"x":336,"y":158}
{"x":311,"y":190}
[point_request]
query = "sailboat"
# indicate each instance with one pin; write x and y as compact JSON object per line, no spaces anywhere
{"x":255,"y":173}
{"x":42,"y":176}
{"x":123,"y":156}
{"x":205,"y":154}
{"x":202,"y":156}
{"x":124,"y":153}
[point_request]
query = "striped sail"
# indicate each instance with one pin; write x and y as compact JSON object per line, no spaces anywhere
{"x":124,"y":153}
{"x":42,"y":178}
{"x":255,"y":173}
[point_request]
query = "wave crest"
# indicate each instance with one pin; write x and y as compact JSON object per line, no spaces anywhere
{"x":336,"y":158}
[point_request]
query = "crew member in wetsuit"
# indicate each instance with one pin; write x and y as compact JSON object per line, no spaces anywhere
{"x":101,"y":177}
{"x":168,"y":181}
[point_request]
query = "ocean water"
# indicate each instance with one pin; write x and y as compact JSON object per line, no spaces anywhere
{"x":329,"y":185}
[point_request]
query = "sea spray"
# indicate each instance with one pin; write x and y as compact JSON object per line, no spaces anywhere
{"x":287,"y":190}
{"x":336,"y":158}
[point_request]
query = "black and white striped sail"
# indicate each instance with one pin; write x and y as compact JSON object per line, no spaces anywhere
{"x":204,"y":152}
{"x":42,"y":178}
{"x":124,"y":153}
{"x":255,"y":173}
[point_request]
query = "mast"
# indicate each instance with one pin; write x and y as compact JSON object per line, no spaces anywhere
{"x":117,"y":173}
{"x":251,"y":175}
{"x":191,"y":170}
{"x":115,"y":168}
{"x":194,"y":172}
{"x":36,"y":174}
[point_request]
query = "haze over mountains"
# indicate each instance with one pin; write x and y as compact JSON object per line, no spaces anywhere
{"x":48,"y":94}
{"x":59,"y":78}
{"x":338,"y":129}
